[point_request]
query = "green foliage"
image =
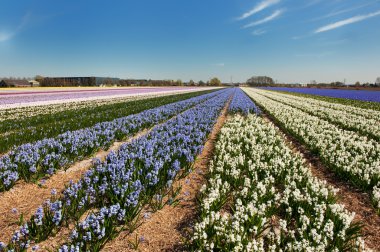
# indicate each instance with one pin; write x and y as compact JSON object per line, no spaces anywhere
{"x":215,"y":82}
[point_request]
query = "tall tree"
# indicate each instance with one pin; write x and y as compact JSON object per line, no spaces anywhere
{"x":215,"y":82}
{"x":260,"y":80}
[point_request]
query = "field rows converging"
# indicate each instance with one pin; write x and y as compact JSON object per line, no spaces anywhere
{"x":209,"y":170}
{"x":362,"y":121}
{"x":150,"y":165}
{"x":32,"y":161}
{"x":260,"y":197}
{"x":348,"y":153}
{"x":11,"y":100}
{"x":29,"y":125}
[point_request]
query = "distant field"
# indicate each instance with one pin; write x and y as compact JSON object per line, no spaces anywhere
{"x":21,"y":97}
{"x":363,"y":95}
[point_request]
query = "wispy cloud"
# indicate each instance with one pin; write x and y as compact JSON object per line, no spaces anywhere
{"x":314,"y":55}
{"x":300,"y":37}
{"x":345,"y":22}
{"x":259,"y":32}
{"x":267,"y":19}
{"x":7,"y":35}
{"x":329,"y":43}
{"x":336,"y":13}
{"x":219,"y":64}
{"x":259,"y":7}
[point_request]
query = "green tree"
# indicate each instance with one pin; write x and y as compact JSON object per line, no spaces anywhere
{"x":179,"y":82}
{"x":215,"y":82}
{"x":39,"y":78}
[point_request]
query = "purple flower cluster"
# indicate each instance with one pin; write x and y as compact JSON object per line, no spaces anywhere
{"x":241,"y":103}
{"x":95,"y":227}
{"x":122,"y":184}
{"x":362,"y":95}
{"x":44,"y":157}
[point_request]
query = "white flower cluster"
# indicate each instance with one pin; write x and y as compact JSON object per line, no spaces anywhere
{"x":349,"y":154}
{"x":261,"y":197}
{"x":363,"y":121}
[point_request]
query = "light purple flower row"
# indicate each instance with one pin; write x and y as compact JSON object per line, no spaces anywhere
{"x":27,"y":97}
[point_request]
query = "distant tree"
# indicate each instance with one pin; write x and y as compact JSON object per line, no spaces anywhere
{"x":201,"y":83}
{"x":179,"y":82}
{"x":357,"y":84}
{"x":39,"y":78}
{"x":215,"y":82}
{"x":191,"y":83}
{"x":260,"y":81}
{"x":337,"y":83}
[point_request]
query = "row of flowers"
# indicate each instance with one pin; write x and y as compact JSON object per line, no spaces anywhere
{"x":350,"y":155}
{"x":30,"y":111}
{"x":141,"y":172}
{"x":365,"y":122}
{"x":241,"y":103}
{"x":44,"y":157}
{"x":261,"y":197}
{"x":31,"y":129}
{"x":11,"y":100}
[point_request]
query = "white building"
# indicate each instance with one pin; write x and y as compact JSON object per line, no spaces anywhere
{"x":34,"y":83}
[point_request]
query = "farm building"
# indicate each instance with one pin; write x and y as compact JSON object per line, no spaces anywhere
{"x":14,"y":83}
{"x":34,"y":83}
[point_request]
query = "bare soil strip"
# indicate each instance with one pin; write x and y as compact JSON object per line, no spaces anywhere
{"x":25,"y":198}
{"x":354,"y":199}
{"x":169,"y":228}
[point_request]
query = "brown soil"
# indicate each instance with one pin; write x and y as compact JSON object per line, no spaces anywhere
{"x":354,"y":199}
{"x":168,"y":229}
{"x":27,"y":197}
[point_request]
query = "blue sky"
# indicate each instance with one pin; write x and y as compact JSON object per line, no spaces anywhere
{"x":289,"y":40}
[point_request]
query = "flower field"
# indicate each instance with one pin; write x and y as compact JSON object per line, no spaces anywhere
{"x":343,"y":145}
{"x":48,"y":96}
{"x":362,"y":95}
{"x":257,"y":190}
